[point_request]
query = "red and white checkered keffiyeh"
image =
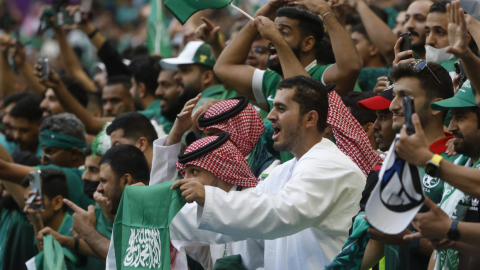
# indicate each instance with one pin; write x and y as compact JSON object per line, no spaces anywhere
{"x":245,"y":128}
{"x":225,"y":162}
{"x":349,"y":135}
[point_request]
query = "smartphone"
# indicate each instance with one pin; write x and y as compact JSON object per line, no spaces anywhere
{"x":459,"y":70}
{"x":408,"y":111}
{"x":35,"y":184}
{"x":43,"y":62}
{"x":406,"y":44}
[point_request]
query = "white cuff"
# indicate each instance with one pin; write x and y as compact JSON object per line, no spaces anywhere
{"x":163,"y":161}
{"x":257,"y":82}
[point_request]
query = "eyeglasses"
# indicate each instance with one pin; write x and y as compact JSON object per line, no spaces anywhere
{"x":420,"y":65}
{"x":259,"y":49}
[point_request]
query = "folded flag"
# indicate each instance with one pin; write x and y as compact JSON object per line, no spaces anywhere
{"x":158,"y":40}
{"x":184,"y":9}
{"x":398,"y":195}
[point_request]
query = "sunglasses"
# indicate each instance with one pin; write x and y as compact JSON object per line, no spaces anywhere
{"x":420,"y":65}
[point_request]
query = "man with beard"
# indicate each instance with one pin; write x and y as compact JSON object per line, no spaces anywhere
{"x":50,"y":104}
{"x":383,"y":37}
{"x":6,"y":138}
{"x":426,"y":83}
{"x":295,"y":40}
{"x":194,"y":66}
{"x":168,"y":94}
{"x":121,"y":166}
{"x":26,"y":118}
{"x":298,"y":236}
{"x":116,"y":98}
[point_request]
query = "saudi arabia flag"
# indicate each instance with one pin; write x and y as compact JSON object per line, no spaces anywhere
{"x":183,"y":9}
{"x":158,"y":40}
{"x":52,"y":257}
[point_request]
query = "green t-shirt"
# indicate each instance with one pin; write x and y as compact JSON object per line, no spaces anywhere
{"x":154,"y":112}
{"x":141,"y":234}
{"x":368,"y":77}
{"x":19,"y":240}
{"x":5,"y":217}
{"x":399,"y":258}
{"x":104,"y":227}
{"x":215,"y":92}
{"x":75,"y":185}
{"x":392,"y":16}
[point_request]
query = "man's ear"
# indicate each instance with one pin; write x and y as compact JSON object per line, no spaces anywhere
{"x":433,"y":112}
{"x":208,"y":77}
{"x":57,"y":203}
{"x":126,"y":180}
{"x":312,"y":118}
{"x":373,"y":50}
{"x":368,"y":128}
{"x":142,"y":144}
{"x":308,"y":43}
{"x":142,"y":90}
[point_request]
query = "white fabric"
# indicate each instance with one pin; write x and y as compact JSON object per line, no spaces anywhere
{"x":163,"y":161}
{"x":303,"y":207}
{"x":184,"y":58}
{"x":111,"y":263}
{"x":30,"y":264}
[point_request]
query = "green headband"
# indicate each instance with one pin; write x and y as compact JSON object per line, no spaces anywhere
{"x":58,"y":140}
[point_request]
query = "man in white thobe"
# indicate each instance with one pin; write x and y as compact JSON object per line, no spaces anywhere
{"x":303,"y":209}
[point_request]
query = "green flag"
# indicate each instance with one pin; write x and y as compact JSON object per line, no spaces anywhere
{"x":158,"y":40}
{"x":183,"y":9}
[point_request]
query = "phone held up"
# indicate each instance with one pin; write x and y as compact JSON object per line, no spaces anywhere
{"x":408,"y":111}
{"x":45,"y":67}
{"x":406,"y":44}
{"x":36,"y":185}
{"x":459,"y":70}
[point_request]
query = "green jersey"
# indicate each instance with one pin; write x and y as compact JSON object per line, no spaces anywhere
{"x":399,"y":258}
{"x":215,"y":92}
{"x":141,"y":235}
{"x":75,"y":185}
{"x":154,"y":112}
{"x":368,"y":77}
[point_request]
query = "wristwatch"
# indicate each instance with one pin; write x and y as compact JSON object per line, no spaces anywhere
{"x":453,"y":234}
{"x":433,"y":166}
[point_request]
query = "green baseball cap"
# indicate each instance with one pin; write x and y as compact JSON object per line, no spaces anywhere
{"x":195,"y":52}
{"x":463,"y":99}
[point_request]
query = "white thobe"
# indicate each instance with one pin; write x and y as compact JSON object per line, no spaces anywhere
{"x":304,"y":208}
{"x":184,"y":225}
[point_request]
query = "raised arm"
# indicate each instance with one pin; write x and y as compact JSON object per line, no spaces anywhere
{"x":378,"y":31}
{"x":208,"y":32}
{"x":7,"y":79}
{"x":70,"y":62}
{"x":92,"y":124}
{"x":348,"y":62}
{"x":25,"y":69}
{"x":230,"y":67}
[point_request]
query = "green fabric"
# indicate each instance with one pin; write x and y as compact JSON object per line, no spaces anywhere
{"x":9,"y":146}
{"x":158,"y":40}
{"x":58,"y":140}
{"x":5,"y":217}
{"x":183,"y":9}
{"x":141,"y":227}
{"x":154,"y":112}
{"x":75,"y":185}
{"x":104,"y":227}
{"x":351,"y":255}
{"x":215,"y":92}
{"x":399,"y":258}
{"x":392,"y":16}
{"x":259,"y":159}
{"x":233,"y":262}
{"x":19,"y":240}
{"x":462,"y":99}
{"x":357,"y":88}
{"x":271,"y":79}
{"x":368,"y":77}
{"x":449,"y":66}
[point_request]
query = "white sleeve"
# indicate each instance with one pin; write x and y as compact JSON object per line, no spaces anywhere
{"x":323,"y":75}
{"x":257,"y":82}
{"x":184,"y":227}
{"x":163,"y":161}
{"x":111,"y":262}
{"x":316,"y":198}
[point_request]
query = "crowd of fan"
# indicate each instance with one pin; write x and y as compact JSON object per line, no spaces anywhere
{"x":273,"y":131}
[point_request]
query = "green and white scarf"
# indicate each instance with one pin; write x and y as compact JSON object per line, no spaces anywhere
{"x":455,"y":203}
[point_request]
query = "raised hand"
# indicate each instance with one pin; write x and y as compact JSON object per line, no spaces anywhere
{"x":192,"y":190}
{"x":185,"y":120}
{"x":399,"y":55}
{"x":267,"y":28}
{"x":319,"y":7}
{"x":61,"y":239}
{"x":382,"y":84}
{"x":270,"y":8}
{"x":6,"y":42}
{"x":52,"y":81}
{"x":433,"y":224}
{"x":208,"y":32}
{"x":83,"y":221}
{"x":457,"y":30}
{"x":414,"y":148}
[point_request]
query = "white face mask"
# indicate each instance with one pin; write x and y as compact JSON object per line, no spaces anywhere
{"x":437,"y":56}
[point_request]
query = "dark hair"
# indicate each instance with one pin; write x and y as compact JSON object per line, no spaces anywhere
{"x":25,"y":158}
{"x":28,"y":108}
{"x":427,"y":81}
{"x":132,"y":52}
{"x":65,"y":123}
{"x":325,"y":55}
{"x":15,"y":97}
{"x":88,"y":151}
{"x":76,"y":88}
{"x":124,"y":80}
{"x":359,"y":28}
{"x":311,"y":95}
{"x":439,"y":6}
{"x":308,"y":23}
{"x":54,"y":183}
{"x":145,"y":69}
{"x":134,"y":125}
{"x":363,"y":117}
{"x":129,"y":159}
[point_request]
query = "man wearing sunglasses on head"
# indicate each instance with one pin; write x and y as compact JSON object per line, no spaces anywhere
{"x":426,"y":83}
